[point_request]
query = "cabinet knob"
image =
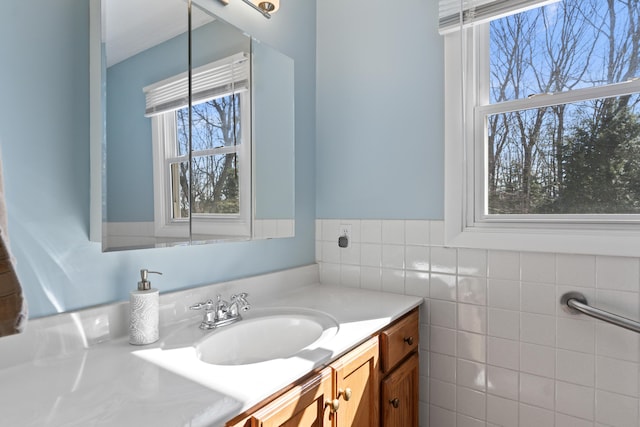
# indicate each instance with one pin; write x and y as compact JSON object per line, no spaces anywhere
{"x":333,"y":405}
{"x":409,"y":340}
{"x":395,"y":402}
{"x":346,"y":393}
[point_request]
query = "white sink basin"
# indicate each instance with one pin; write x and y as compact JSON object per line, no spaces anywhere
{"x":266,"y":335}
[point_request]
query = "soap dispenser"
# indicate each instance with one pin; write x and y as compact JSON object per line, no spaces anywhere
{"x":144,"y":305}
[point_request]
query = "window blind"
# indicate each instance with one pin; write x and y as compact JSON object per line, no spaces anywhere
{"x":209,"y":81}
{"x":478,"y":11}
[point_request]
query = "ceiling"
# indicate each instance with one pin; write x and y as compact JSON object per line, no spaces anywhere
{"x":132,"y":26}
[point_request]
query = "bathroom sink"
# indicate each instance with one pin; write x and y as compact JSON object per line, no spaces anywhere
{"x":266,"y":335}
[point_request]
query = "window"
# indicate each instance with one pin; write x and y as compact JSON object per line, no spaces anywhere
{"x":548,"y":103}
{"x":214,"y":191}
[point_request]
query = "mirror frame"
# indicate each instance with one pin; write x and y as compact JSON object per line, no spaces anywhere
{"x":96,"y":130}
{"x":260,"y":229}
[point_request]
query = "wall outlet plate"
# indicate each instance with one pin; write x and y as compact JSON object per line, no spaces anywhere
{"x":344,"y":235}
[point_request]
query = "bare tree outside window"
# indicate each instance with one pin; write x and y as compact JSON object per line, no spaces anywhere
{"x":216,"y":127}
{"x":573,"y":158}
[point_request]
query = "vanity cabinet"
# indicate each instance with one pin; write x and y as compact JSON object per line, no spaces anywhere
{"x":373,"y":385}
{"x":399,"y":362}
{"x":343,"y":394}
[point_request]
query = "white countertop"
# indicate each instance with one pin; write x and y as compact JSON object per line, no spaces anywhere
{"x":116,"y":384}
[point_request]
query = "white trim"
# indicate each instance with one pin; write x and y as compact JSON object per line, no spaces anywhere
{"x":591,"y":242}
{"x":461,"y":228}
{"x":163,"y":127}
{"x":551,"y":99}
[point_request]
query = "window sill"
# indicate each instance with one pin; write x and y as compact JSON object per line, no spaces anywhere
{"x":574,"y":241}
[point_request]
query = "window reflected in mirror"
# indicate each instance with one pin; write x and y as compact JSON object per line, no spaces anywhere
{"x":209,"y":186}
{"x":236,"y":181}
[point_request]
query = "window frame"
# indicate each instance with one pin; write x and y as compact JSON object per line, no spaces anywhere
{"x":466,"y":225}
{"x":164,"y":131}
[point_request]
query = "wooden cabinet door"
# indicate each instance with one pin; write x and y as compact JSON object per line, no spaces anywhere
{"x":302,"y":406}
{"x":356,"y":387}
{"x":400,"y":395}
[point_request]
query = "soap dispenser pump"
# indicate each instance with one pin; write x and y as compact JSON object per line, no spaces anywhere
{"x":144,"y":305}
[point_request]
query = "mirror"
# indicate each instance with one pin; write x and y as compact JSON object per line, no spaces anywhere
{"x":222,"y":170}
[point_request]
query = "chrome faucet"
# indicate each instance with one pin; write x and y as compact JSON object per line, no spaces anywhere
{"x":221,"y":312}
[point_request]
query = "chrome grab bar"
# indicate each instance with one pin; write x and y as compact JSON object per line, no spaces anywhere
{"x":577,"y":303}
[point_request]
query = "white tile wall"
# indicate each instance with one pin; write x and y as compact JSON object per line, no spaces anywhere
{"x":496,"y":347}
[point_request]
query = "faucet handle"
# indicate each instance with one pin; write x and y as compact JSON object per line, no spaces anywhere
{"x":208,"y":306}
{"x":239,"y":297}
{"x":241,"y":300}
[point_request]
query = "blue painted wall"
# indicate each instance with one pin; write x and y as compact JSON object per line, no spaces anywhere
{"x":379,"y":149}
{"x":273,"y":100}
{"x":44,"y":138}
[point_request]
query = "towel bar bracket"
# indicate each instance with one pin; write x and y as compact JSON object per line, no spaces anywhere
{"x":564,"y":300}
{"x":576,"y":303}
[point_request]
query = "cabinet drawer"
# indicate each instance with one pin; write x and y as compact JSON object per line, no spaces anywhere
{"x":399,"y":340}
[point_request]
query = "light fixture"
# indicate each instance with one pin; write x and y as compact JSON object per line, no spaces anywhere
{"x":269,"y":6}
{"x":265,"y":7}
